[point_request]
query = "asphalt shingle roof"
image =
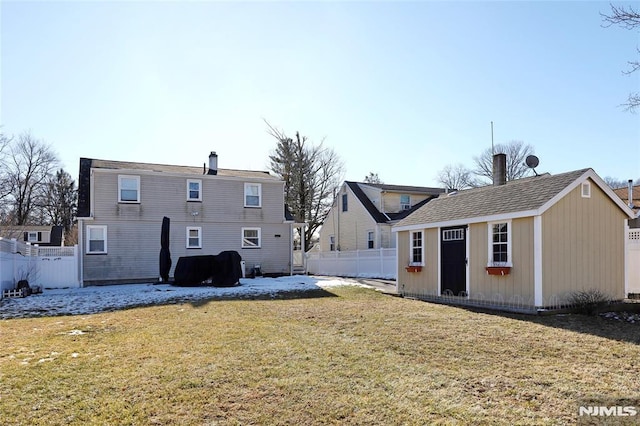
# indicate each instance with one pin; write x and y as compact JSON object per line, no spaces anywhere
{"x":189,"y":170}
{"x":515,"y":196}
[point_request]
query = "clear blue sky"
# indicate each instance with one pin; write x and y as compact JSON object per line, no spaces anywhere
{"x":400,"y":89}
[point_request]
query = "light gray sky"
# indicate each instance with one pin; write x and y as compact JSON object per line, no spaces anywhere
{"x":397,"y":88}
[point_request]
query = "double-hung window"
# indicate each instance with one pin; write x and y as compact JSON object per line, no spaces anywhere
{"x":405,"y":202}
{"x":194,"y":237}
{"x":371,"y":239}
{"x":251,"y":238}
{"x":345,"y":203}
{"x":96,"y":239}
{"x":194,"y":190}
{"x":252,"y":195}
{"x":416,"y":248}
{"x":332,"y":243}
{"x":128,"y":189}
{"x":500,"y":244}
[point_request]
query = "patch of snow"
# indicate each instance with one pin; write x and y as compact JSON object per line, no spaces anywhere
{"x":95,"y":299}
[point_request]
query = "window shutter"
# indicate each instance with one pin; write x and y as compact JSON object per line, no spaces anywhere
{"x":26,"y":236}
{"x":39,"y":236}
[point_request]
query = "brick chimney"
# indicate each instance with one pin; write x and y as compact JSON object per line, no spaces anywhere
{"x":499,"y":169}
{"x":213,"y":163}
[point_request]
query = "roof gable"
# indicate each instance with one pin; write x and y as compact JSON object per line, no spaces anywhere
{"x":518,"y":198}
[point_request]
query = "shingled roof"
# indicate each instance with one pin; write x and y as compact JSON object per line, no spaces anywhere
{"x":523,"y":195}
{"x":167,"y":168}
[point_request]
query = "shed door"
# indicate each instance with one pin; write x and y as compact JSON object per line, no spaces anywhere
{"x":453,"y":260}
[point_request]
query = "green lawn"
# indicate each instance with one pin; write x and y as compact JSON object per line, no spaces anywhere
{"x":356,"y":357}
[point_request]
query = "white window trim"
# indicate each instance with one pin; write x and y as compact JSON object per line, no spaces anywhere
{"x":88,"y":245}
{"x":199,"y":182}
{"x":259,"y":238}
{"x":411,"y":247}
{"x":332,"y":242}
{"x":250,"y":184}
{"x":194,"y":228}
{"x":33,"y":234}
{"x":137,"y":179}
{"x":585,"y":190}
{"x":490,"y":262}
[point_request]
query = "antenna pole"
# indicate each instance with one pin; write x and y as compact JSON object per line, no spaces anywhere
{"x":492,"y":150}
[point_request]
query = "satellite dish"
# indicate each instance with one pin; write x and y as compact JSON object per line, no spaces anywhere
{"x":532,"y":162}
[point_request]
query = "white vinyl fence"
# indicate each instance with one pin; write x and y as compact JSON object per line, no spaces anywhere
{"x":47,"y":267}
{"x":374,"y":263}
{"x":633,"y":261}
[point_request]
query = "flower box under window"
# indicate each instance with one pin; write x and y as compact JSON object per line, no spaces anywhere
{"x":413,"y":268}
{"x":498,"y":270}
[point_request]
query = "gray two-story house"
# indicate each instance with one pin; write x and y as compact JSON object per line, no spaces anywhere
{"x":121,"y":206}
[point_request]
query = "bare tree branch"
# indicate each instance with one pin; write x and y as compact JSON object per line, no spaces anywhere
{"x":627,"y":18}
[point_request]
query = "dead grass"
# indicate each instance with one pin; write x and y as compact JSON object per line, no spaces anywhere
{"x":359,"y":358}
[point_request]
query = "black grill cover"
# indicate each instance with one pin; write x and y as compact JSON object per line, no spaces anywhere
{"x":224,"y":270}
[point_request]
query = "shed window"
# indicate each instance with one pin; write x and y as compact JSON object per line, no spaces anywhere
{"x":332,"y":243}
{"x":345,"y":204}
{"x":416,"y":248}
{"x":586,"y":190}
{"x":500,"y":244}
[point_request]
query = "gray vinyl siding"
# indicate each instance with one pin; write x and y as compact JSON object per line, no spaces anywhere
{"x":133,"y":230}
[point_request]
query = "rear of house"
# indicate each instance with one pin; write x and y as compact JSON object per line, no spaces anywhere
{"x":122,"y":204}
{"x":526,"y":245}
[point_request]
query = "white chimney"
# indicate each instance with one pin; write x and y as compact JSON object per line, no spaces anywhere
{"x":213,"y":163}
{"x":499,"y":169}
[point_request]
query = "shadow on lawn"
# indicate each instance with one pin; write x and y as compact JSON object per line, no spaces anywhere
{"x":594,"y":325}
{"x":276,"y":295}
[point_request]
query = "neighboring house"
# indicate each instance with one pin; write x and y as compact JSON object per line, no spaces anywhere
{"x":121,"y":206}
{"x":35,"y":234}
{"x":525,"y":245}
{"x":363,"y":213}
{"x":631,"y":196}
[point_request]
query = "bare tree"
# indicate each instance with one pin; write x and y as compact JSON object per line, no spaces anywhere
{"x":615,"y":183}
{"x":627,"y":18}
{"x":28,"y":166}
{"x":373,"y":178}
{"x":516,"y":151}
{"x":456,"y":177}
{"x":312,"y":174}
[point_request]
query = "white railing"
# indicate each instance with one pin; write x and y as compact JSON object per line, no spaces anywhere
{"x":46,"y":267}
{"x":374,"y":263}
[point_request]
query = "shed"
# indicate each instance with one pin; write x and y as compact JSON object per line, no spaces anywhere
{"x":525,"y":245}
